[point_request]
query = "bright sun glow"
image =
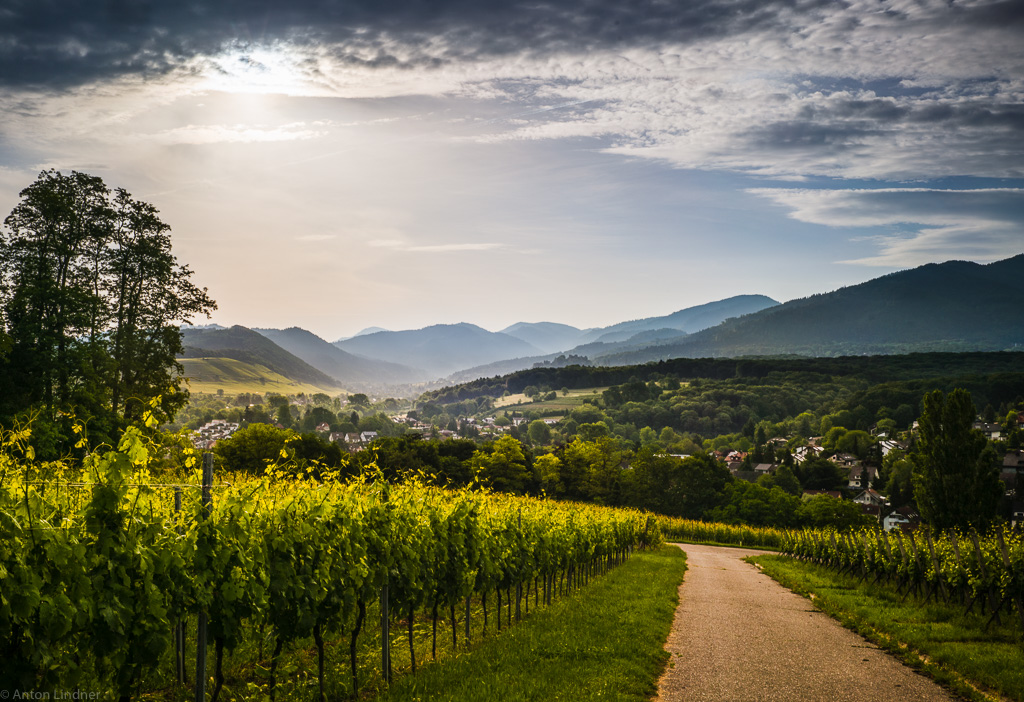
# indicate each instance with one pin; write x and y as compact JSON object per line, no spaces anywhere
{"x":258,"y":70}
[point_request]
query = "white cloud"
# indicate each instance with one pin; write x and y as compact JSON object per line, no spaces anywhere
{"x":922,"y":225}
{"x":398,"y":245}
{"x":233,"y":134}
{"x":863,"y":89}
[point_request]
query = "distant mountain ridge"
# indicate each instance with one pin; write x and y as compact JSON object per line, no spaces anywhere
{"x":955,"y":306}
{"x":689,"y":320}
{"x":440,"y":349}
{"x":620,"y":338}
{"x":548,"y":337}
{"x":952,"y":306}
{"x":345,"y":367}
{"x":554,"y":338}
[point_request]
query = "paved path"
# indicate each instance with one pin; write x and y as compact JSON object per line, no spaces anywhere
{"x":738,"y":636}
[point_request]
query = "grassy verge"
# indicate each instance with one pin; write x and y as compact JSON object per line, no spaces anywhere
{"x":607,"y":636}
{"x":938,"y":639}
{"x":605,"y":642}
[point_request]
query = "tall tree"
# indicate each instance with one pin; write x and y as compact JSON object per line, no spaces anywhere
{"x":147,"y":292}
{"x":91,"y":298}
{"x":956,"y":480}
{"x":49,"y":284}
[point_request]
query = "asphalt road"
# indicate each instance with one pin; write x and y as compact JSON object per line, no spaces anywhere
{"x":739,"y":636}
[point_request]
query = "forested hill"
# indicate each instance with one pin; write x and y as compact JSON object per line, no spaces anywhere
{"x":243,"y":344}
{"x":689,"y":320}
{"x":946,"y":307}
{"x":872,"y":369}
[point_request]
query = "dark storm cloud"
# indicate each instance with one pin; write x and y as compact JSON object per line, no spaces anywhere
{"x":61,"y":43}
{"x":800,"y":135}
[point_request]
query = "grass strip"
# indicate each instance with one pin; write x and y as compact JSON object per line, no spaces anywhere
{"x":605,"y":642}
{"x":933,"y":637}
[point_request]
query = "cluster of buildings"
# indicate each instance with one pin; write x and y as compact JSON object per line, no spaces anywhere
{"x":209,"y":434}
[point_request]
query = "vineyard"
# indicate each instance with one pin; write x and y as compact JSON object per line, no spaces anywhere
{"x":986,"y":572}
{"x":99,"y":573}
{"x":698,"y":532}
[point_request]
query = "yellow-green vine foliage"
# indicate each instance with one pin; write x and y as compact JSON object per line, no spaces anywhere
{"x":96,"y":566}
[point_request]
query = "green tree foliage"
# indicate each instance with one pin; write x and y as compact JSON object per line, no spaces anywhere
{"x":604,"y":476}
{"x":359,"y":399}
{"x":250,"y":449}
{"x":315,"y":416}
{"x":547,"y":469}
{"x":91,"y":299}
{"x":821,"y":474}
{"x":504,"y":466}
{"x":439,"y":462}
{"x":593,"y":430}
{"x":749,"y":503}
{"x":824,"y":511}
{"x":956,"y":481}
{"x":857,"y":442}
{"x":784,"y":478}
{"x":284,"y":416}
{"x":309,"y":450}
{"x":538,"y":432}
{"x":900,"y":487}
{"x":677,"y":487}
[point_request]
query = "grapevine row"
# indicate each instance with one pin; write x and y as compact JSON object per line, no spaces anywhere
{"x":694,"y":531}
{"x":92,"y":589}
{"x":984,"y":571}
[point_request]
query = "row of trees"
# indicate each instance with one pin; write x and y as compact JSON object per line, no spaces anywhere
{"x":91,"y":299}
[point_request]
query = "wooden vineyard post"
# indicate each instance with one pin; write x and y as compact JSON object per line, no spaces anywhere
{"x":937,"y":567}
{"x":201,"y":627}
{"x":984,"y":572}
{"x":519,"y":585}
{"x":903,"y":561}
{"x":884,"y":539}
{"x":1006,"y":563}
{"x":385,"y":634}
{"x":179,"y":628}
{"x":959,"y":561}
{"x":918,"y":568}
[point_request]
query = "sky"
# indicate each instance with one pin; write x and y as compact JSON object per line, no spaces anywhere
{"x":336,"y":165}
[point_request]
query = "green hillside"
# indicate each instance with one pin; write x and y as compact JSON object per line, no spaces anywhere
{"x":208,"y":375}
{"x":953,"y":306}
{"x":249,"y":347}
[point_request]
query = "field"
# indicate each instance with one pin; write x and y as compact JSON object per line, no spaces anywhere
{"x":208,"y":375}
{"x":563,"y":403}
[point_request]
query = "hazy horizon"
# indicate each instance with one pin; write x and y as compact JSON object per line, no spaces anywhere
{"x":336,"y":167}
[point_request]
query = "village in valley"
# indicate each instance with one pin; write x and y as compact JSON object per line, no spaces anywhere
{"x":863,"y":484}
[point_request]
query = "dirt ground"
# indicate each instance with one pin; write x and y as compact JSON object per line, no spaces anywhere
{"x":739,"y":636}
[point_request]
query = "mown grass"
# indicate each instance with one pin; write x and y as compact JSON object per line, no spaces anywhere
{"x":574,"y":399}
{"x":602,"y":641}
{"x":605,"y":642}
{"x":939,"y":639}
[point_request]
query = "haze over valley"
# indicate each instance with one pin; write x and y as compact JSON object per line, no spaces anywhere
{"x":929,"y":308}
